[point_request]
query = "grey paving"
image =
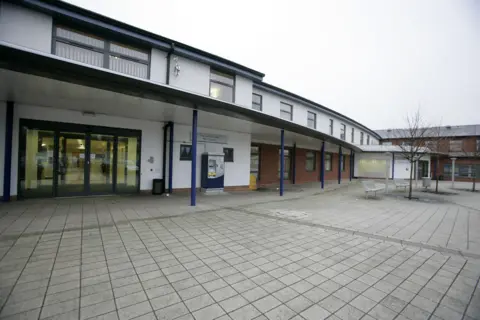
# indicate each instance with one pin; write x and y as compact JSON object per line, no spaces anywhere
{"x":154,"y":258}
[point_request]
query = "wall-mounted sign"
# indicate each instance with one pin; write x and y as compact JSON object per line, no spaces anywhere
{"x":210,"y":138}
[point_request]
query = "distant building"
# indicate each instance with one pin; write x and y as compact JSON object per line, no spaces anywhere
{"x":461,"y":143}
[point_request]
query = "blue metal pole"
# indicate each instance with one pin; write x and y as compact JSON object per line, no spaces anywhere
{"x":282,"y":159}
{"x":322,"y":165}
{"x":351,"y":164}
{"x":294,"y":163}
{"x":170,"y":160}
{"x":340,"y":164}
{"x":393,"y":165}
{"x":193,"y":186}
{"x":7,"y":161}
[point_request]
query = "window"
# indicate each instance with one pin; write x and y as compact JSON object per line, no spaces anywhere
{"x":328,"y":162}
{"x":387,"y":143}
{"x":222,"y":86}
{"x":286,"y":157}
{"x":331,"y":127}
{"x":368,"y":139}
{"x":361,"y":138}
{"x":310,"y":161}
{"x":478,"y":144}
{"x":343,"y":129}
{"x":185,"y":152}
{"x":456,"y":145}
{"x":353,"y":135}
{"x":344,"y":162}
{"x":256,"y":102}
{"x":93,"y":50}
{"x":228,"y":152}
{"x":255,"y":161}
{"x":286,"y":111}
{"x":312,"y":120}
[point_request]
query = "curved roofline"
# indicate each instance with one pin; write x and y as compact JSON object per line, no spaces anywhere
{"x":293,"y":96}
{"x":58,"y":7}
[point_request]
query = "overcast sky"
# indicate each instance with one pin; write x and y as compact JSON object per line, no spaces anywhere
{"x":372,"y":60}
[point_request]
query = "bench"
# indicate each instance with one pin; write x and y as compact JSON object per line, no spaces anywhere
{"x":401,"y":184}
{"x":370,"y":186}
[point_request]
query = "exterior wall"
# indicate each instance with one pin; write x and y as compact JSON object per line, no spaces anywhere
{"x":3,"y":110}
{"x":158,"y":66}
{"x":237,"y":173}
{"x":243,"y":91}
{"x":459,"y":161}
{"x":25,"y":27}
{"x":269,"y":166}
{"x":194,"y":76}
{"x":152,"y":137}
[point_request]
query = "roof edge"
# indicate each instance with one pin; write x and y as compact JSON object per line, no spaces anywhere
{"x":66,"y":9}
{"x":289,"y":95}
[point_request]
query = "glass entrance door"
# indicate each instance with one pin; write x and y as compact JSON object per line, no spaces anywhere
{"x":101,"y":164}
{"x":67,"y":159}
{"x":72,"y":164}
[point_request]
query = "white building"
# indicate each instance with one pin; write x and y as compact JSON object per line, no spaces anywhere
{"x":91,"y":105}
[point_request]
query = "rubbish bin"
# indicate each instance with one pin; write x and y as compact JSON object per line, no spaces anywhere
{"x":426,"y":182}
{"x":158,"y":186}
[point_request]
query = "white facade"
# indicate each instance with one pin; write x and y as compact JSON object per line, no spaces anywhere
{"x":34,"y":30}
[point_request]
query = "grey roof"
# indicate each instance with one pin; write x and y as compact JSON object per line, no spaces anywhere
{"x":445,"y":131}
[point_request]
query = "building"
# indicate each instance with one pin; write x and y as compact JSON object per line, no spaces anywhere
{"x":454,"y":146}
{"x":90,"y":105}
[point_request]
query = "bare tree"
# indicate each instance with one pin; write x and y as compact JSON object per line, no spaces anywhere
{"x":413,"y":140}
{"x":437,"y":146}
{"x":472,"y":153}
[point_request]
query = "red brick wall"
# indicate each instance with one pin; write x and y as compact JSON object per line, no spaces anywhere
{"x":459,"y":161}
{"x":269,"y":166}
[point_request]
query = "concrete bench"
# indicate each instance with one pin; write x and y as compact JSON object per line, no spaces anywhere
{"x":401,"y":184}
{"x":370,"y":186}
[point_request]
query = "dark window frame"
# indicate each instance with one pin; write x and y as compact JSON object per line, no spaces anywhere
{"x":189,"y":156}
{"x":259,"y":147}
{"x":361,"y":138}
{"x":222,"y":83}
{"x":368,"y":139}
{"x":344,"y":162}
{"x":291,"y":110}
{"x":330,"y":156}
{"x":107,"y":53}
{"x":331,"y":127}
{"x":228,"y":158}
{"x":309,"y":113}
{"x":343,"y":131}
{"x":353,"y":135}
{"x":260,"y":106}
{"x":314,"y":153}
{"x":288,"y":168}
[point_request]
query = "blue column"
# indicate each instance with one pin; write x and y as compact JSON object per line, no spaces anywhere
{"x":322,"y":165}
{"x":340,"y":164}
{"x":294,"y":163}
{"x":351,"y":164}
{"x":193,"y":185}
{"x":170,"y":160}
{"x":7,"y":163}
{"x":393,"y":165}
{"x":282,"y":159}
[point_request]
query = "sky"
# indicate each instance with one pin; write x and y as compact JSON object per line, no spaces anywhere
{"x":375,"y":61}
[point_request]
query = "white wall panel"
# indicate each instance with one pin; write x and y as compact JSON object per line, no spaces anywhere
{"x":158,"y":66}
{"x":152,"y":137}
{"x":25,"y":27}
{"x":236,"y":173}
{"x":243,"y":91}
{"x":194,"y":76}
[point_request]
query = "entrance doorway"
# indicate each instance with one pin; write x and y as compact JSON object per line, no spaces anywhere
{"x":58,"y":160}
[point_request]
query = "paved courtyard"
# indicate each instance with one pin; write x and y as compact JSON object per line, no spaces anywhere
{"x":249,"y":256}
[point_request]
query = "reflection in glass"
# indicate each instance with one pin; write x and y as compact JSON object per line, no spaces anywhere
{"x":127,"y":164}
{"x":37,"y":164}
{"x":101,"y":160}
{"x":71,"y":164}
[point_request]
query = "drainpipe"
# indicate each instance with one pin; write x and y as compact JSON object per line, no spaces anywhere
{"x":169,"y":54}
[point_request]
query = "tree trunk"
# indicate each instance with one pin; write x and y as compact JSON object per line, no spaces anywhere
{"x":436,"y":174}
{"x":474,"y":180}
{"x":411,"y":180}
